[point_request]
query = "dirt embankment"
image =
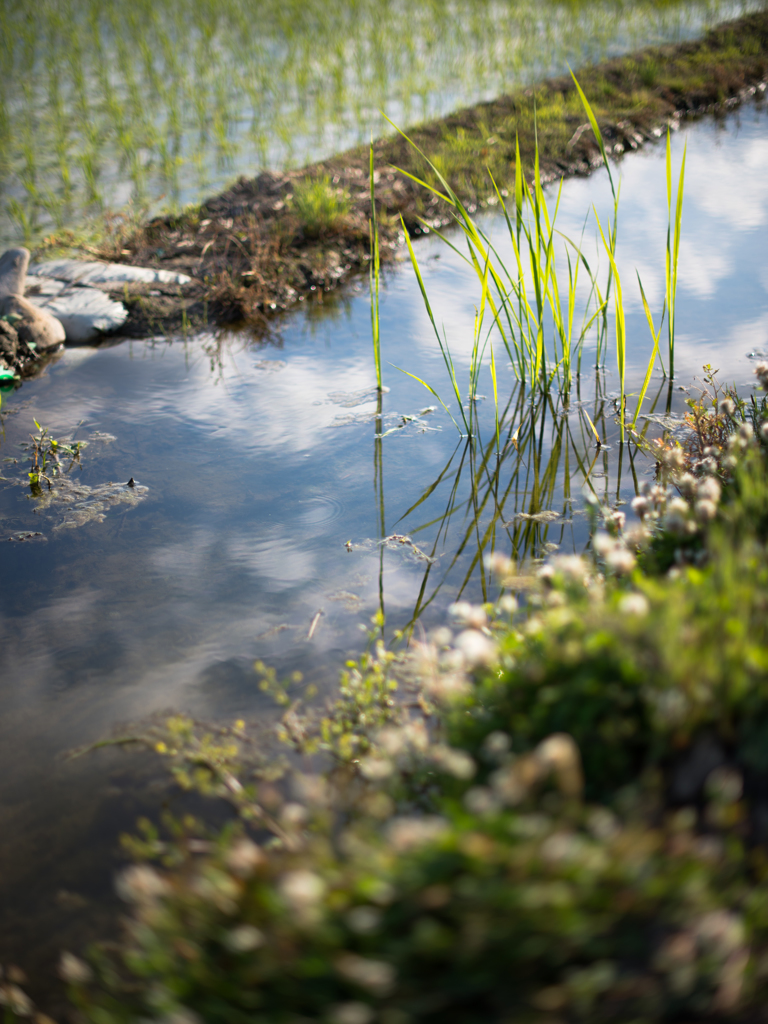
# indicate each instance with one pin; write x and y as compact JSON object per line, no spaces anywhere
{"x":252,"y":255}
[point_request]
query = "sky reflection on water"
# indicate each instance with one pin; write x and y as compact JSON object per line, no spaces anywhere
{"x":260,"y":470}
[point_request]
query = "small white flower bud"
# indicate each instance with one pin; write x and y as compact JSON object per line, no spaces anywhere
{"x":687,"y":485}
{"x":244,"y":857}
{"x":603,"y":544}
{"x":468,"y":614}
{"x":708,"y":489}
{"x":705,"y":511}
{"x":476,"y":648}
{"x":640,"y":506}
{"x":244,"y":939}
{"x":677,"y":512}
{"x":73,"y":970}
{"x":302,"y":888}
{"x":141,"y":884}
{"x":634,"y":604}
{"x":620,"y":560}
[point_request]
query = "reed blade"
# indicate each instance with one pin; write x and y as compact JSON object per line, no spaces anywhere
{"x":621,"y":330}
{"x":375,"y":274}
{"x":655,"y":335}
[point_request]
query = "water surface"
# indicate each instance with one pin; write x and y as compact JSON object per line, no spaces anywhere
{"x":268,"y":493}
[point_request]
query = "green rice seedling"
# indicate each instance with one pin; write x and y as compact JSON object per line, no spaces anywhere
{"x":5,"y":132}
{"x":615,"y":192}
{"x":60,"y":132}
{"x":525,"y":298}
{"x":671,"y":267}
{"x":89,"y":165}
{"x":479,"y":254}
{"x":319,"y":206}
{"x":525,"y":303}
{"x":649,"y":72}
{"x":54,"y":207}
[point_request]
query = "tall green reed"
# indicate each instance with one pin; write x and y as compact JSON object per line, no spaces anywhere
{"x":523,"y":299}
{"x":375,"y":273}
{"x":532,"y":307}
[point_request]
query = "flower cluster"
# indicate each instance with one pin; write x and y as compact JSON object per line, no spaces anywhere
{"x":678,"y":511}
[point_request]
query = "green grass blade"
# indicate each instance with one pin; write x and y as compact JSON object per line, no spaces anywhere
{"x":595,"y":129}
{"x":655,"y":335}
{"x":518,"y":186}
{"x":446,"y":355}
{"x":621,"y":337}
{"x":375,"y":274}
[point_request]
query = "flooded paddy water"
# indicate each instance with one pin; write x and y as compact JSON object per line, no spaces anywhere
{"x":273,"y":494}
{"x":264,"y":490}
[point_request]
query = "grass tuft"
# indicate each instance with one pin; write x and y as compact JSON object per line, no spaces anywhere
{"x":320,"y":207}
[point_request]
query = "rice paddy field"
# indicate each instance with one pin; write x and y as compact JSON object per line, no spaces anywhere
{"x":279,"y":501}
{"x":107,"y":107}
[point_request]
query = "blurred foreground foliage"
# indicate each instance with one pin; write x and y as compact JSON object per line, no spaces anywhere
{"x":556,"y":811}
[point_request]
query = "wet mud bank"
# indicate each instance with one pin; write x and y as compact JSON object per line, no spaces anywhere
{"x":253,"y":250}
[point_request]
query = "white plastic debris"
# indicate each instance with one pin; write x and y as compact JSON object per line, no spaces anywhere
{"x":85,"y":313}
{"x":94,"y":273}
{"x":39,"y":288}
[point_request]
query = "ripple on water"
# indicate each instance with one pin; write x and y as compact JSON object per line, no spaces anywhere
{"x":319,"y":511}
